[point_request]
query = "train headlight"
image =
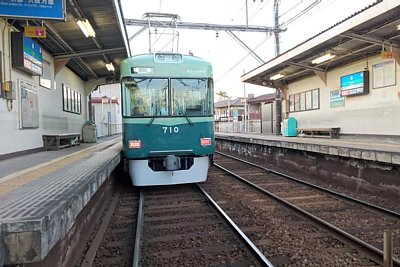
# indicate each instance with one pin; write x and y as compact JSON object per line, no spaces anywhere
{"x":205,"y":141}
{"x":135,"y":144}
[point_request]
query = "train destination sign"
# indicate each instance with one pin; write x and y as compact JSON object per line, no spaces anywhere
{"x":35,"y":9}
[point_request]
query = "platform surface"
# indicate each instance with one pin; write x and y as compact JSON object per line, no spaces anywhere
{"x":41,"y":195}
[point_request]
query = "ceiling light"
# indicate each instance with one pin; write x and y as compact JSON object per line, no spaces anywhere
{"x":86,"y":28}
{"x":324,"y":58}
{"x":110,"y":67}
{"x":398,"y":27}
{"x":277,"y":76}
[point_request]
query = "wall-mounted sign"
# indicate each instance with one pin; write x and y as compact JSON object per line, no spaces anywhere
{"x":35,"y":32}
{"x":29,"y":105}
{"x":336,"y":99}
{"x":35,"y":9}
{"x":355,"y":84}
{"x":384,"y":74}
{"x":26,"y":54}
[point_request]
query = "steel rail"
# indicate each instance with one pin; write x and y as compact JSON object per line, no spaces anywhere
{"x":373,"y":207}
{"x":374,"y":253}
{"x":260,"y":256}
{"x":94,"y":247}
{"x":139,"y":228}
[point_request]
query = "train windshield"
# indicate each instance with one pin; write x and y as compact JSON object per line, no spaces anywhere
{"x":191,"y":97}
{"x":144,"y":97}
{"x":152,"y":97}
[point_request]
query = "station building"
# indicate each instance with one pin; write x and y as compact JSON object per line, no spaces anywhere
{"x":346,"y":76}
{"x":46,"y":78}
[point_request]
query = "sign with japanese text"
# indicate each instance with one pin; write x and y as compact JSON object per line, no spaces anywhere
{"x":35,"y":32}
{"x":35,"y":9}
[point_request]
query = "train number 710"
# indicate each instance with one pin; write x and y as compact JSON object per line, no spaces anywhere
{"x":170,"y":129}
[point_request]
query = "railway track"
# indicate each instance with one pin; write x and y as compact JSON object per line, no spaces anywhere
{"x":348,"y":231}
{"x":113,"y":242}
{"x":180,"y":227}
{"x":168,"y":226}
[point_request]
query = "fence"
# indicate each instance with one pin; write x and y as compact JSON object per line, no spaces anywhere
{"x":253,"y":126}
{"x":107,"y":129}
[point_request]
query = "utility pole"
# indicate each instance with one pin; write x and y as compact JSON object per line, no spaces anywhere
{"x":245,"y":106}
{"x":276,"y":25}
{"x":247,"y":12}
{"x":278,"y":95}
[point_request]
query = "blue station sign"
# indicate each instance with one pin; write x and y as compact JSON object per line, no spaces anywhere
{"x":33,"y":9}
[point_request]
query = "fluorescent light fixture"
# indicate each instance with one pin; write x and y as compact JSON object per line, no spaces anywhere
{"x":276,"y":76}
{"x":86,"y":28}
{"x":324,"y":58}
{"x":110,"y":67}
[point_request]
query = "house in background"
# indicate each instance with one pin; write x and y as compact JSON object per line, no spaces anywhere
{"x":230,"y":114}
{"x":106,"y":110}
{"x":262,"y":110}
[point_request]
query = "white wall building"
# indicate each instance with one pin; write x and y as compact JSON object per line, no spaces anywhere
{"x":37,"y":106}
{"x":347,"y":76}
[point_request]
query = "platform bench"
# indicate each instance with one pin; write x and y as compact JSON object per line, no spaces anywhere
{"x":331,"y":132}
{"x":58,"y":141}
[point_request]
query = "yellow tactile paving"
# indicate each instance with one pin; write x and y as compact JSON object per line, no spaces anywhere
{"x":13,"y":181}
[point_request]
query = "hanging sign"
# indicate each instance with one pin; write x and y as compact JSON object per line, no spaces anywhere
{"x":35,"y":32}
{"x":386,"y":54}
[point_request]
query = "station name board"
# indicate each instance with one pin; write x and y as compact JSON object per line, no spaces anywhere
{"x":35,"y":9}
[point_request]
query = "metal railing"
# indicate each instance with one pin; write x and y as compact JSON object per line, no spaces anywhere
{"x":107,"y":129}
{"x":253,"y":126}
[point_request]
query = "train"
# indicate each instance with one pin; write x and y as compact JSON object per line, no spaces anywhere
{"x":167,"y":118}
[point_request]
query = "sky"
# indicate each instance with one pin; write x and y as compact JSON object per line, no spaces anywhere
{"x":228,"y":58}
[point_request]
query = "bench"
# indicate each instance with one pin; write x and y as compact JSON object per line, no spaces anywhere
{"x":57,"y":141}
{"x":331,"y":132}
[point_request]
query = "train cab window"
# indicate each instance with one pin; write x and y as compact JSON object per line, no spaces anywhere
{"x":191,"y":97}
{"x":144,"y":97}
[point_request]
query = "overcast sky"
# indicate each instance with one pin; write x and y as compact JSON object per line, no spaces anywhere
{"x":228,"y":58}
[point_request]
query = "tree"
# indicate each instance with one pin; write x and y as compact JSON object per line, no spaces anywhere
{"x":222,"y":95}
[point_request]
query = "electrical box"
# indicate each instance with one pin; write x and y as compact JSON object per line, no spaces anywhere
{"x":8,"y":90}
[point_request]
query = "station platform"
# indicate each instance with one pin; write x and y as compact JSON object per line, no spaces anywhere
{"x":385,"y":151}
{"x":42,"y":194}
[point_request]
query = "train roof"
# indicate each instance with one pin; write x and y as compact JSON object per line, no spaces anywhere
{"x":153,"y":64}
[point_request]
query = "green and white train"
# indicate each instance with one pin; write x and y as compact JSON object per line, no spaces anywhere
{"x":168,"y":121}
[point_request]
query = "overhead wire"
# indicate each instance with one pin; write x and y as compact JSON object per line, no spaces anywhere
{"x":290,"y":9}
{"x":243,"y":58}
{"x":301,"y":13}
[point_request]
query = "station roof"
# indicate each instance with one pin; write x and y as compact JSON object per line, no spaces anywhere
{"x":86,"y":56}
{"x":357,"y":37}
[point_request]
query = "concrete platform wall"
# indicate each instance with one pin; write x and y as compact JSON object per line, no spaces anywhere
{"x":356,"y":169}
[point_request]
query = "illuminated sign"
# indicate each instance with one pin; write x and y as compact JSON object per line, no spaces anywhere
{"x":26,"y":54}
{"x":35,"y":32}
{"x":354,"y":84}
{"x":35,"y":9}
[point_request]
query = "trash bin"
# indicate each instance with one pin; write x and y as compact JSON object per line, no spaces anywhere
{"x":289,"y":127}
{"x":89,"y":132}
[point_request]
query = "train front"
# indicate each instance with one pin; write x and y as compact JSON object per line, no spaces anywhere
{"x":168,"y":124}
